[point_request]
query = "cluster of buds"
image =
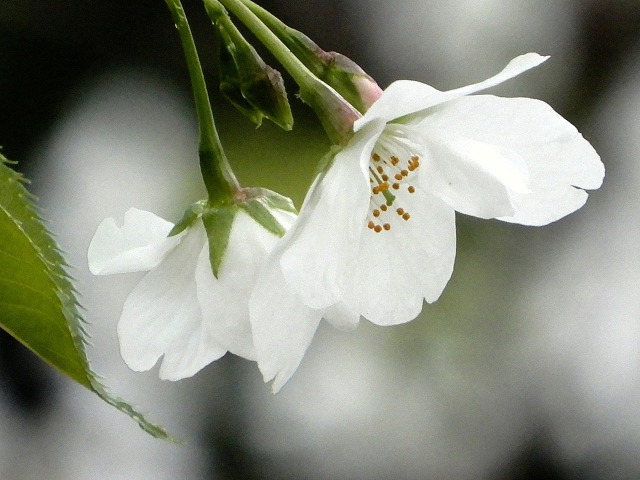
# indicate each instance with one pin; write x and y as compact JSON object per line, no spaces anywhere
{"x":334,"y":86}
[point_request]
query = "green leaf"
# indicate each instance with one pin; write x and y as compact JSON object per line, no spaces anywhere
{"x":38,"y":304}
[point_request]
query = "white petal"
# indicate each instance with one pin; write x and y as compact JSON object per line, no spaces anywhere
{"x":342,"y":317}
{"x":558,"y":158}
{"x":395,"y":270}
{"x":400,"y":98}
{"x":325,"y":237}
{"x":225,"y":300}
{"x":544,"y":206}
{"x":282,"y":325}
{"x":162,"y":316}
{"x":472,"y":177}
{"x":140,"y":244}
{"x":514,"y":68}
{"x":406,"y":97}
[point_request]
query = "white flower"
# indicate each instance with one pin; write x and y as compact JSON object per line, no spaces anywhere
{"x":180,"y":310}
{"x":376,"y":235}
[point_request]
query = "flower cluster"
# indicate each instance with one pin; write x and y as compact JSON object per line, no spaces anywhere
{"x":375,"y":237}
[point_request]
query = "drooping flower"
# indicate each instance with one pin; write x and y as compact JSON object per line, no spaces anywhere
{"x":376,"y":235}
{"x":180,"y":310}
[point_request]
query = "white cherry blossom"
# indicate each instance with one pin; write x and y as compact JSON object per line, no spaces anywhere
{"x":180,"y":311}
{"x":376,"y":235}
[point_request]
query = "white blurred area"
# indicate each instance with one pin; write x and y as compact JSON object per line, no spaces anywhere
{"x":459,"y":393}
{"x":448,"y":43}
{"x":582,"y":305}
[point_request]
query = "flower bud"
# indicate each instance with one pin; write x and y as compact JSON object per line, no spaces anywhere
{"x":335,"y":113}
{"x":253,"y":87}
{"x":335,"y":69}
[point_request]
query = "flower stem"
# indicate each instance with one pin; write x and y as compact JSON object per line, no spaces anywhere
{"x":219,"y":180}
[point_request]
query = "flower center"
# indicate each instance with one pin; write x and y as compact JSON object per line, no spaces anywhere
{"x":389,"y":174}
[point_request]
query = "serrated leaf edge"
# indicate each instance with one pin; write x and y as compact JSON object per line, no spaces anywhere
{"x":66,"y":293}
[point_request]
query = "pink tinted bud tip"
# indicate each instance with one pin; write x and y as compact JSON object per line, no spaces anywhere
{"x":368,"y":89}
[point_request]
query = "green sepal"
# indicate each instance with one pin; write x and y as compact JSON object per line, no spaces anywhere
{"x":191,"y":214}
{"x":260,"y":204}
{"x":38,"y":302}
{"x":256,"y":89}
{"x":272,"y":199}
{"x":217,"y":223}
{"x":335,"y":69}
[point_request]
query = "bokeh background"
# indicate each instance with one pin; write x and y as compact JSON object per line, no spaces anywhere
{"x":528,"y":366}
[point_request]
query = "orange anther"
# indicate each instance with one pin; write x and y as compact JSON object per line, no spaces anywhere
{"x":400,"y":211}
{"x":411,"y":189}
{"x":379,"y":169}
{"x":376,"y":213}
{"x":406,"y":216}
{"x":387,"y":226}
{"x":383,"y":207}
{"x":371,"y":225}
{"x":377,"y":229}
{"x":397,"y":176}
{"x":376,"y":157}
{"x":396,"y":186}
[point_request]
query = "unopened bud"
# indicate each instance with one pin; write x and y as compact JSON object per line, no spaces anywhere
{"x":335,"y":69}
{"x":351,"y":81}
{"x":335,"y":113}
{"x":256,"y":89}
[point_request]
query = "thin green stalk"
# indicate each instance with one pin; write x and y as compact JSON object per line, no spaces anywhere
{"x":276,"y":25}
{"x":219,"y":180}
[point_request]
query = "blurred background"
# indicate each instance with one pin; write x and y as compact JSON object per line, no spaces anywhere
{"x":528,"y":366}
